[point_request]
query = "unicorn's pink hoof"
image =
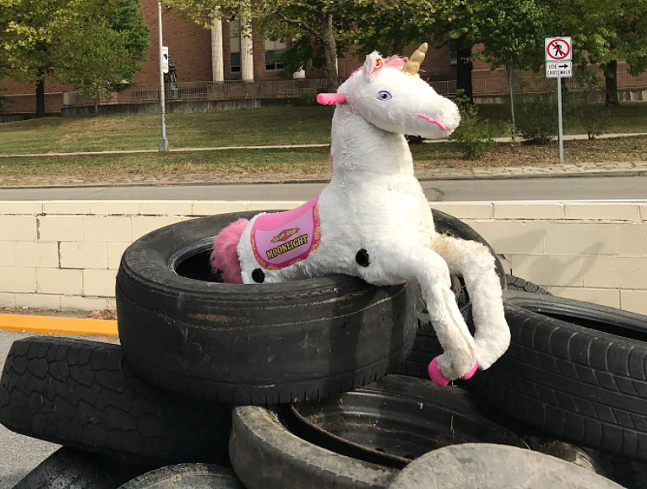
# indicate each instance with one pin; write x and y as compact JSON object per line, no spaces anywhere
{"x":471,"y":373}
{"x":436,"y":375}
{"x":439,"y":379}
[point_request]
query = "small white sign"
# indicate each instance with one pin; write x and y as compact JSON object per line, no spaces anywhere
{"x":559,"y":49}
{"x":164,"y":59}
{"x":559,"y":69}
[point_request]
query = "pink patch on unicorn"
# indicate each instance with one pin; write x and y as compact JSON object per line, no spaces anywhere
{"x":285,"y":238}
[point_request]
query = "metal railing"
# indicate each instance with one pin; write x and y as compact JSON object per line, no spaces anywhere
{"x":205,"y":91}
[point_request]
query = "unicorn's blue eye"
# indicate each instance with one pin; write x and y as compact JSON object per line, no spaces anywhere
{"x":384,"y":95}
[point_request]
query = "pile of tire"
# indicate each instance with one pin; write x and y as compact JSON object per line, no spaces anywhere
{"x":321,"y":383}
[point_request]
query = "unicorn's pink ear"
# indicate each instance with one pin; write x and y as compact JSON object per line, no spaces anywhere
{"x":373,"y":65}
{"x":331,"y":98}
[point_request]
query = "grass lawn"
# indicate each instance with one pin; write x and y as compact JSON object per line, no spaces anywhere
{"x":313,"y":160}
{"x":254,"y":127}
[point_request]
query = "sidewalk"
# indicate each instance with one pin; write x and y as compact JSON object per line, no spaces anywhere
{"x":572,"y":137}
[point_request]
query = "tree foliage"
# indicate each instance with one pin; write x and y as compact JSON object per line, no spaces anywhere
{"x":95,"y":45}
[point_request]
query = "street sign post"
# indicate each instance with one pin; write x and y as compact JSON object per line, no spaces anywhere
{"x":163,"y":59}
{"x":559,"y":64}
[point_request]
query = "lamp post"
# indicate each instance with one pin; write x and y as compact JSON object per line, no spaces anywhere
{"x":163,"y":141}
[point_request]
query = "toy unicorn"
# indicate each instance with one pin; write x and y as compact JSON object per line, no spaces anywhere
{"x":373,"y":220}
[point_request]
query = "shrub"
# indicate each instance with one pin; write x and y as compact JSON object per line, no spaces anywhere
{"x":584,"y":109}
{"x":537,"y":116}
{"x":306,"y":100}
{"x":474,"y":136}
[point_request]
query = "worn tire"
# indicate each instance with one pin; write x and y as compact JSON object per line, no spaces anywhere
{"x":485,"y":466}
{"x":81,"y":394}
{"x":517,"y":284}
{"x":426,"y":346}
{"x":68,"y":468}
{"x":574,"y":369}
{"x":253,"y":344}
{"x":267,"y":454}
{"x":186,"y":476}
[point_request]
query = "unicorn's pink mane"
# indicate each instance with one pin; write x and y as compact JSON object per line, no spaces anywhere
{"x":390,"y":62}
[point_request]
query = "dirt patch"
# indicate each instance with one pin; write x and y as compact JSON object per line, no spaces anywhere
{"x":106,"y":314}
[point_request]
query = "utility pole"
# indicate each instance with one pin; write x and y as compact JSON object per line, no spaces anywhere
{"x":163,"y":141}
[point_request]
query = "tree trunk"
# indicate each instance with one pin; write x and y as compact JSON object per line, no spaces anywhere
{"x":40,"y":98}
{"x":96,"y":106}
{"x":330,"y":52}
{"x":509,"y":76}
{"x":611,"y":82}
{"x":464,"y":72}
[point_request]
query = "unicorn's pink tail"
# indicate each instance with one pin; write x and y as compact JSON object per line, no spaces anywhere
{"x":224,"y":256}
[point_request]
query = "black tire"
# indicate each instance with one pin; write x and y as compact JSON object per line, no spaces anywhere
{"x":68,"y":468}
{"x":517,"y":284}
{"x":81,"y":394}
{"x":252,"y":344}
{"x":574,"y":369}
{"x":270,"y":451}
{"x":484,"y":466}
{"x":186,"y":476}
{"x":426,"y":345}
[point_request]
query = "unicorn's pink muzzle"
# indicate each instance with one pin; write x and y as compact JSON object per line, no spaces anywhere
{"x":434,"y":121}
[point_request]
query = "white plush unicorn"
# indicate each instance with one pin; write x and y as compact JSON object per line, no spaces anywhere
{"x":373,"y":220}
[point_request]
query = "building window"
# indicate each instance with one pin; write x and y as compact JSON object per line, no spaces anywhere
{"x":453,"y":52}
{"x":234,"y":48}
{"x":272,"y":50}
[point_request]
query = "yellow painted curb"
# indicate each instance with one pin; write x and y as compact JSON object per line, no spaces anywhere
{"x":57,"y":325}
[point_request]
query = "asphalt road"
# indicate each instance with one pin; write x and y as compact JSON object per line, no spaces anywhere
{"x":569,"y":188}
{"x":19,"y":454}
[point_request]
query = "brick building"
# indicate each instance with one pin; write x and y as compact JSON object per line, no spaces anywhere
{"x":203,"y":56}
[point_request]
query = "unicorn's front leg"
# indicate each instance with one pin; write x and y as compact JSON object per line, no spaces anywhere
{"x":398,"y":264}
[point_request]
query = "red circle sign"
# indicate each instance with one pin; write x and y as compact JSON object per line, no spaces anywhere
{"x":558,"y":49}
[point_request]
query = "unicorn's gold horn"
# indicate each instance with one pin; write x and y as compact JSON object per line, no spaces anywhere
{"x":412,"y":66}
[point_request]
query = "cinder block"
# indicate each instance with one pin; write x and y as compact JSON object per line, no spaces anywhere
{"x":57,"y":281}
{"x":78,"y":207}
{"x":548,"y":269}
{"x":528,"y":210}
{"x":36,"y":255}
{"x":115,"y":208}
{"x":7,"y":300}
{"x":21,"y":207}
{"x":523,"y":237}
{"x":465,"y":210}
{"x":104,"y":229}
{"x":42,"y":301}
{"x":581,"y":238}
{"x":615,"y":272}
{"x":634,"y":301}
{"x":272,"y":206}
{"x":167,"y":208}
{"x":112,"y":304}
{"x":17,"y":280}
{"x":602,"y":211}
{"x":83,"y":255}
{"x":632,"y":239}
{"x":60,"y":228}
{"x":643,"y":212}
{"x":214,"y":208}
{"x":141,"y":225}
{"x":83,"y":303}
{"x":604,"y":297}
{"x":115,"y":251}
{"x":99,"y":283}
{"x":6,"y":254}
{"x":18,"y":228}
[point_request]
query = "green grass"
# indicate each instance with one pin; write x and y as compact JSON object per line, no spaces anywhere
{"x":629,"y":117}
{"x":254,"y":127}
{"x":310,"y":160}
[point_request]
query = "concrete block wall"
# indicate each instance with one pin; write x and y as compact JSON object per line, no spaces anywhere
{"x":66,"y":254}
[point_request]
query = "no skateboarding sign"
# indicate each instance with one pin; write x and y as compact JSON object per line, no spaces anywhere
{"x":559,"y":49}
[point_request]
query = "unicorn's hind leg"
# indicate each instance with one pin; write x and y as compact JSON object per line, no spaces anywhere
{"x":475,"y":263}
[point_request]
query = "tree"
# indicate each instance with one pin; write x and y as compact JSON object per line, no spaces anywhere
{"x":93,"y":44}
